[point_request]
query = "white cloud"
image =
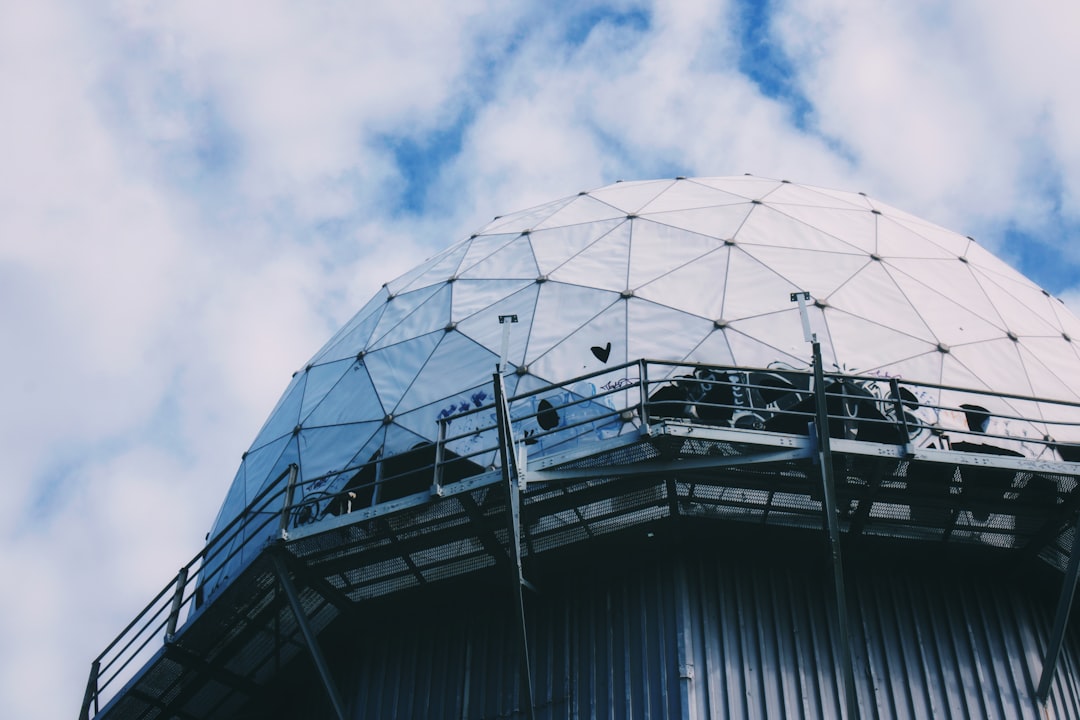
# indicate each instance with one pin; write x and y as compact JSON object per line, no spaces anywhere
{"x":953,"y":110}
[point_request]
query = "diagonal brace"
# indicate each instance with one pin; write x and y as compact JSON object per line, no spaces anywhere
{"x":1061,"y":620}
{"x":309,"y":634}
{"x":513,"y":516}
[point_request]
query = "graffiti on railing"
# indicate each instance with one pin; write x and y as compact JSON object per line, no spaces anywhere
{"x":780,"y":399}
{"x":619,"y":384}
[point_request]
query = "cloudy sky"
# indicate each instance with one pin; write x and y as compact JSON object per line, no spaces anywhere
{"x":194,"y":195}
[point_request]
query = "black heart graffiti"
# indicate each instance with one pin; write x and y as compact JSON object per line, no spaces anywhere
{"x":602,"y":353}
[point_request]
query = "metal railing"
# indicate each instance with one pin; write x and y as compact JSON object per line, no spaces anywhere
{"x":569,"y":417}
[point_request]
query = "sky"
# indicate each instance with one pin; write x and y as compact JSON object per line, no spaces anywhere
{"x":194,"y":196}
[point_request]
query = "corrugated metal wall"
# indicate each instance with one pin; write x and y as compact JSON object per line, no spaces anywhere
{"x":724,"y":633}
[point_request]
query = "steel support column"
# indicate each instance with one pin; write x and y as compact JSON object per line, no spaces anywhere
{"x":1061,"y":621}
{"x":90,"y":697}
{"x":832,"y":524}
{"x":513,"y":517}
{"x":309,"y":634}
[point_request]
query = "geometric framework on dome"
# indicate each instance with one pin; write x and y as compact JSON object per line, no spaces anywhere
{"x":686,"y":270}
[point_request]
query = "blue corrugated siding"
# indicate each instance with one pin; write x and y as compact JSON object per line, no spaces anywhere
{"x":715,"y":635}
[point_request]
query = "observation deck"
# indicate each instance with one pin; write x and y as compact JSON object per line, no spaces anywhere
{"x":652,"y":443}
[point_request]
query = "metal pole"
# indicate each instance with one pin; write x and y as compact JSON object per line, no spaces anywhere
{"x":643,"y":392}
{"x":91,"y":691}
{"x":513,"y":514}
{"x":177,"y":602}
{"x":287,"y":507}
{"x":440,"y":458}
{"x":833,"y":525}
{"x":309,"y":634}
{"x":1061,"y":620}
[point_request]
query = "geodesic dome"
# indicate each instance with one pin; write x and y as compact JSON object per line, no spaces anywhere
{"x":686,"y":270}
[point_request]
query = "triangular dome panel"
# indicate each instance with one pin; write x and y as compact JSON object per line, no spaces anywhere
{"x":950,"y":242}
{"x":524,"y":220}
{"x":430,"y":315}
{"x":486,"y":330}
{"x":597,"y":343}
{"x":398,"y":307}
{"x":560,"y":311}
{"x":604,"y":264}
{"x":657,"y":331}
{"x":258,"y":463}
{"x":321,"y":378}
{"x":696,"y":287}
{"x":713,"y":349}
{"x":747,"y":351}
{"x":819,"y":273}
{"x":329,"y":449}
{"x":473,"y":296}
{"x":656,"y":249}
{"x":898,"y":241}
{"x":996,"y":363}
{"x":352,"y":400}
{"x":1010,"y":300}
{"x":856,"y":228}
{"x":515,"y":260}
{"x":580,"y":211}
{"x":753,"y":288}
{"x":792,"y":194}
{"x":720,"y":222}
{"x":631,"y":197}
{"x":554,"y":247}
{"x":483,"y":246}
{"x":351,"y":343}
{"x":393,"y":369}
{"x":434,"y":271}
{"x":859,"y":342}
{"x":874,"y":295}
{"x":749,"y":187}
{"x":286,"y":415}
{"x":768,"y":226}
{"x":944,"y":306}
{"x":473,"y":364}
{"x":686,"y":194}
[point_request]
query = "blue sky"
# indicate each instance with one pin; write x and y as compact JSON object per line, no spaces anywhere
{"x":195,"y":195}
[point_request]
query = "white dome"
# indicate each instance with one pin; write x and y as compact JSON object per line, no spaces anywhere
{"x":696,"y":270}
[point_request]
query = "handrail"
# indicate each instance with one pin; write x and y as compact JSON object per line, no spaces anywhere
{"x":771,"y":399}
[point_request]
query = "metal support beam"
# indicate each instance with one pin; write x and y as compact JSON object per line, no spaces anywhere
{"x":1061,"y":621}
{"x":1053,"y":527}
{"x":513,"y":516}
{"x":832,"y":524}
{"x":319,"y":584}
{"x":177,"y":604}
{"x":671,"y":467}
{"x":286,"y":508}
{"x":309,"y":634}
{"x":90,"y":697}
{"x":215,"y":670}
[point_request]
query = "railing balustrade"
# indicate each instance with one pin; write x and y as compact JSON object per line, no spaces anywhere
{"x":561,"y":417}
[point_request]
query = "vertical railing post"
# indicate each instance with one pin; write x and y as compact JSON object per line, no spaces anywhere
{"x":286,"y":509}
{"x":91,"y":694}
{"x":511,"y":478}
{"x":1061,"y":619}
{"x":440,"y":453}
{"x":901,"y":414}
{"x":177,"y":603}
{"x":643,"y":395}
{"x":832,"y":524}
